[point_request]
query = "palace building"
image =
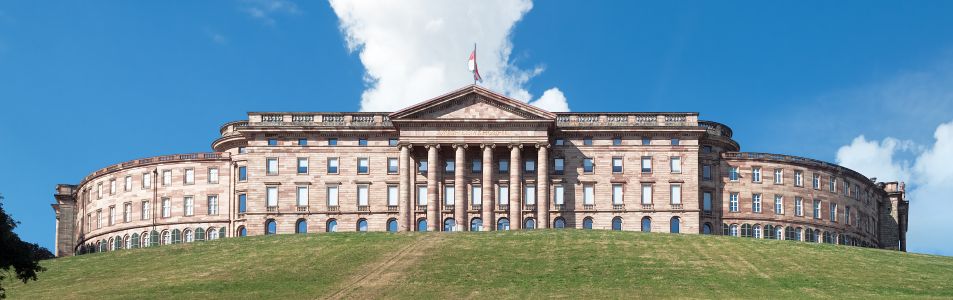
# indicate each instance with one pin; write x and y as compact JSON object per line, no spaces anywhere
{"x":474,"y":160}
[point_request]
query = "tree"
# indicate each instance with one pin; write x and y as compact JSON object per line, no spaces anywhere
{"x":23,"y":257}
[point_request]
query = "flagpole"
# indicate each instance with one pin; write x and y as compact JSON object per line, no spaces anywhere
{"x":474,"y":62}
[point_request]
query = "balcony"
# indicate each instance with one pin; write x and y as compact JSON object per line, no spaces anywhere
{"x":476,"y":207}
{"x":272,"y":209}
{"x":448,"y":207}
{"x":302,"y":208}
{"x":588,"y":207}
{"x":648,"y":206}
{"x":420,"y":208}
{"x":706,"y":213}
{"x":676,"y":207}
{"x":529,"y":207}
{"x":363,"y":208}
{"x":618,"y":206}
{"x":334,"y":208}
{"x":392,"y":208}
{"x":560,"y":207}
{"x":504,"y":207}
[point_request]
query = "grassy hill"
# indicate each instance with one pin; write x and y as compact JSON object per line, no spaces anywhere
{"x":525,"y":264}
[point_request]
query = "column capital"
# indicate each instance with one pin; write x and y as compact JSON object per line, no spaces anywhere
{"x":511,"y":146}
{"x":437,"y":146}
{"x":402,"y":145}
{"x":542,"y":145}
{"x":457,"y":146}
{"x":484,"y":146}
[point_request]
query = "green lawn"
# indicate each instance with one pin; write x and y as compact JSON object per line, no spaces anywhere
{"x":517,"y":264}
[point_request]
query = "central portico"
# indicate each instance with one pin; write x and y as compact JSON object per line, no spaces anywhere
{"x":471,"y":132}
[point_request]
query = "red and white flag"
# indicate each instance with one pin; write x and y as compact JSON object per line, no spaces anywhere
{"x":472,"y":64}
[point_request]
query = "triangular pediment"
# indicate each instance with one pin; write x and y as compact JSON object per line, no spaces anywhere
{"x":472,"y":103}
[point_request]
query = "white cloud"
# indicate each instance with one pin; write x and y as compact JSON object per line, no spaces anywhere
{"x":265,"y":10}
{"x":415,"y":50}
{"x":216,"y":37}
{"x":929,"y":186}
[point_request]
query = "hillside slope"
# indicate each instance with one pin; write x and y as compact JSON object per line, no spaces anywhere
{"x":524,"y":264}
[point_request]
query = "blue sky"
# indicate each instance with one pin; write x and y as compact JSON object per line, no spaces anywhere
{"x":88,"y":84}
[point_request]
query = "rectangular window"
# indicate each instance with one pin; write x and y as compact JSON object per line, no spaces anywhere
{"x":362,"y":190}
{"x":560,"y":142}
{"x":189,"y":205}
{"x":449,"y":166}
{"x":362,"y":165}
{"x":146,"y":210}
{"x":530,"y":166}
{"x":558,"y":194}
{"x":189,"y":176}
{"x":817,"y":209}
{"x":756,"y":203}
{"x":559,"y":166}
{"x":422,"y":166}
{"x":476,"y":195}
{"x":616,"y":165}
{"x":99,"y":190}
{"x":127,"y":212}
{"x":242,"y":150}
{"x":778,"y":204}
{"x":617,"y":193}
{"x":476,"y":166}
{"x":112,"y":186}
{"x":332,"y":141}
{"x":733,"y":202}
{"x":847,"y":215}
{"x":271,"y":196}
{"x":392,"y":165}
{"x":503,"y":194}
{"x":127,"y":183}
{"x":646,"y":194}
{"x":676,"y":164}
{"x":504,"y":165}
{"x":166,"y":177}
{"x":817,"y":181}
{"x":449,"y":195}
{"x":587,"y":141}
{"x":146,"y":180}
{"x":362,"y":142}
{"x":588,"y":194}
{"x":832,"y":183}
{"x":212,"y":205}
{"x":392,"y":142}
{"x":646,"y":164}
{"x":302,"y":142}
{"x":272,"y":142}
{"x":302,"y":165}
{"x":112,"y":215}
{"x":392,"y":196}
{"x":213,"y":175}
{"x":733,"y":173}
{"x":99,"y":218}
{"x":332,"y":165}
{"x":706,"y":202}
{"x":833,"y":209}
{"x":242,"y":173}
{"x":529,"y":194}
{"x":166,"y":207}
{"x":798,"y":206}
{"x":617,"y":141}
{"x":271,"y":166}
{"x":242,"y":203}
{"x":706,"y":172}
{"x":676,"y":142}
{"x":302,"y":196}
{"x":422,"y":195}
{"x":646,"y":141}
{"x":676,"y":193}
{"x":587,"y":165}
{"x":798,"y":178}
{"x":332,"y":196}
{"x":755,"y":174}
{"x":706,"y":149}
{"x":778,"y":176}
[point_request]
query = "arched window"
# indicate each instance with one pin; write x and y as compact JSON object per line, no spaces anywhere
{"x":166,"y":237}
{"x":617,"y":223}
{"x":212,"y":234}
{"x":560,"y":223}
{"x":126,"y":242}
{"x":706,"y":229}
{"x":778,"y":232}
{"x":422,"y":225}
{"x":733,"y":230}
{"x":362,"y":225}
{"x":756,"y":231}
{"x":646,"y":224}
{"x":529,"y":223}
{"x":587,"y":223}
{"x":301,"y":226}
{"x":221,"y":232}
{"x":449,"y":224}
{"x":332,"y":226}
{"x":271,"y":227}
{"x":189,"y":236}
{"x":199,"y":234}
{"x":789,"y":234}
{"x":117,"y":243}
{"x":746,"y":230}
{"x":769,"y":232}
{"x":176,"y":236}
{"x":503,"y":224}
{"x":392,"y":225}
{"x":242,"y":231}
{"x":154,"y":238}
{"x":476,"y":224}
{"x":110,"y":245}
{"x":675,"y":225}
{"x":135,"y":240}
{"x":817,"y":235}
{"x":102,"y":245}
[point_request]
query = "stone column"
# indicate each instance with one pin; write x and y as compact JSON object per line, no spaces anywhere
{"x":406,"y":214}
{"x":516,"y":214}
{"x":542,"y":186}
{"x":460,"y":188}
{"x":433,"y":204}
{"x":488,"y":188}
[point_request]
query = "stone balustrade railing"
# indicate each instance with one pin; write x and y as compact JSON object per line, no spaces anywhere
{"x":716,"y":129}
{"x":317,"y":119}
{"x":159,"y":159}
{"x":626,"y":119}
